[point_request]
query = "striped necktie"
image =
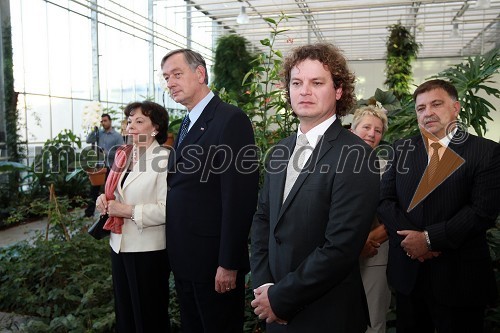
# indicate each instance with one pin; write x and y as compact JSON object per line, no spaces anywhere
{"x":434,"y":161}
{"x":184,"y":129}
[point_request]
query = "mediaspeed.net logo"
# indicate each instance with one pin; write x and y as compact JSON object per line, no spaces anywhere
{"x":449,"y":162}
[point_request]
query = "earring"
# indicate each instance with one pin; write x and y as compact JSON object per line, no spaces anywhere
{"x":153,"y":134}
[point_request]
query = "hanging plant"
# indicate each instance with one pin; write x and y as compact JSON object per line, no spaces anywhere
{"x":232,"y":62}
{"x":402,"y":49}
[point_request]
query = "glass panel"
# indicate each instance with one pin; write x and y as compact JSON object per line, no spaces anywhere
{"x":58,"y":50}
{"x":34,"y":47}
{"x":62,"y":117}
{"x":38,"y":118}
{"x":80,"y":57}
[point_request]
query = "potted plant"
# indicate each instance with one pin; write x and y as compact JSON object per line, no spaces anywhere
{"x":90,"y":162}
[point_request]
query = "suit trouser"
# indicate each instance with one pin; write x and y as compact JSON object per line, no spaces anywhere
{"x":378,"y":296}
{"x":420,"y":313}
{"x":141,"y":289}
{"x":94,"y":193}
{"x":203,"y":310}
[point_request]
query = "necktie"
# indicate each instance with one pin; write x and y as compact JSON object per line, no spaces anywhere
{"x":296,"y":163}
{"x":434,"y":161}
{"x":184,"y":129}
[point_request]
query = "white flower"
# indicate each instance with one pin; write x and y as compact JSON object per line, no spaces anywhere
{"x":91,"y":116}
{"x":162,"y":81}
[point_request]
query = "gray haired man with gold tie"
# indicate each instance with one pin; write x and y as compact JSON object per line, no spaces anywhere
{"x":438,"y":197}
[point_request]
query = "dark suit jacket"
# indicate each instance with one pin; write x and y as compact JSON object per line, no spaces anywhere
{"x":309,"y":246}
{"x":456,"y":215}
{"x":212,"y":194}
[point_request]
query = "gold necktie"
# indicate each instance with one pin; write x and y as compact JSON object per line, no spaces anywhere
{"x":433,"y":163}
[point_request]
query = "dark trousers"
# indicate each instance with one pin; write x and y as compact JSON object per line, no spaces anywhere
{"x":94,"y":193}
{"x":203,"y":310}
{"x":420,"y":313}
{"x":141,"y":290}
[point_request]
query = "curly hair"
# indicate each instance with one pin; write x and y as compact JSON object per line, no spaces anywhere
{"x":157,"y":113}
{"x":333,"y":58}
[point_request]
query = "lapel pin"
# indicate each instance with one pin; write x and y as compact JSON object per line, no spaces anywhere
{"x":202,"y":128}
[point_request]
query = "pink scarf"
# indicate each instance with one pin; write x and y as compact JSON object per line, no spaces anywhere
{"x":114,"y":223}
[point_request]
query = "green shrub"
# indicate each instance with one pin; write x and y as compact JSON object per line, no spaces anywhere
{"x":65,"y":285}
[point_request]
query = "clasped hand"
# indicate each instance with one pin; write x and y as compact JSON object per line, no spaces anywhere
{"x":262,"y":306}
{"x":415,"y":245}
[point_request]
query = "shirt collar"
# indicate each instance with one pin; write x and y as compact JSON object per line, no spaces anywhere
{"x":445,"y":141}
{"x":195,"y":113}
{"x":315,"y":133}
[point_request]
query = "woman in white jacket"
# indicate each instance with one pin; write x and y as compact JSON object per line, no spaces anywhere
{"x":135,"y":197}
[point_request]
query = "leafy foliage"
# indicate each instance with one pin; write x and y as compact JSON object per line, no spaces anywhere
{"x":492,"y":322}
{"x":271,"y":116}
{"x":11,"y":114}
{"x":64,"y":285}
{"x":469,"y":78}
{"x":232,"y":62}
{"x":54,"y":164}
{"x":403,"y":121}
{"x":402,"y":49}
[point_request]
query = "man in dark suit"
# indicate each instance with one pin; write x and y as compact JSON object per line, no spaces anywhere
{"x":438,"y":197}
{"x":213,"y":181}
{"x":315,"y":211}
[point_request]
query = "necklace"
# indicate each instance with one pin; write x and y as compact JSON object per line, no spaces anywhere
{"x":134,"y":154}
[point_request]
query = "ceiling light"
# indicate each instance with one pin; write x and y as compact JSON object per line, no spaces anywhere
{"x":455,"y":33}
{"x":483,"y":4}
{"x":243,"y":17}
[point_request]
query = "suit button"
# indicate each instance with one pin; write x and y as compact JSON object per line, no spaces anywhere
{"x":278,"y":241}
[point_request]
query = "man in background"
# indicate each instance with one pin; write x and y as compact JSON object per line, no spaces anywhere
{"x":108,"y":140}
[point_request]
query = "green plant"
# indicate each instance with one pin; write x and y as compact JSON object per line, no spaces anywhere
{"x":402,"y":49}
{"x":231,"y":62}
{"x":471,"y":77}
{"x":271,"y":116}
{"x":492,"y":320}
{"x":12,"y":125}
{"x":65,"y":286}
{"x":54,"y":163}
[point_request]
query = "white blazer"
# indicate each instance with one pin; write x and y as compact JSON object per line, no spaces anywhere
{"x":146,"y":188}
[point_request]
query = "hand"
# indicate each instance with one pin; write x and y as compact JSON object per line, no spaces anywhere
{"x":379,"y":234}
{"x":262,"y":306}
{"x":429,"y":255}
{"x":225,"y":280}
{"x":414,"y":243}
{"x":116,"y":208}
{"x":370,"y":249}
{"x":101,"y":204}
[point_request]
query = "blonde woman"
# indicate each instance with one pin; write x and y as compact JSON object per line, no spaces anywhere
{"x":370,"y":124}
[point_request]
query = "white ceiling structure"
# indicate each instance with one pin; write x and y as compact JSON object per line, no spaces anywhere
{"x":359,"y":27}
